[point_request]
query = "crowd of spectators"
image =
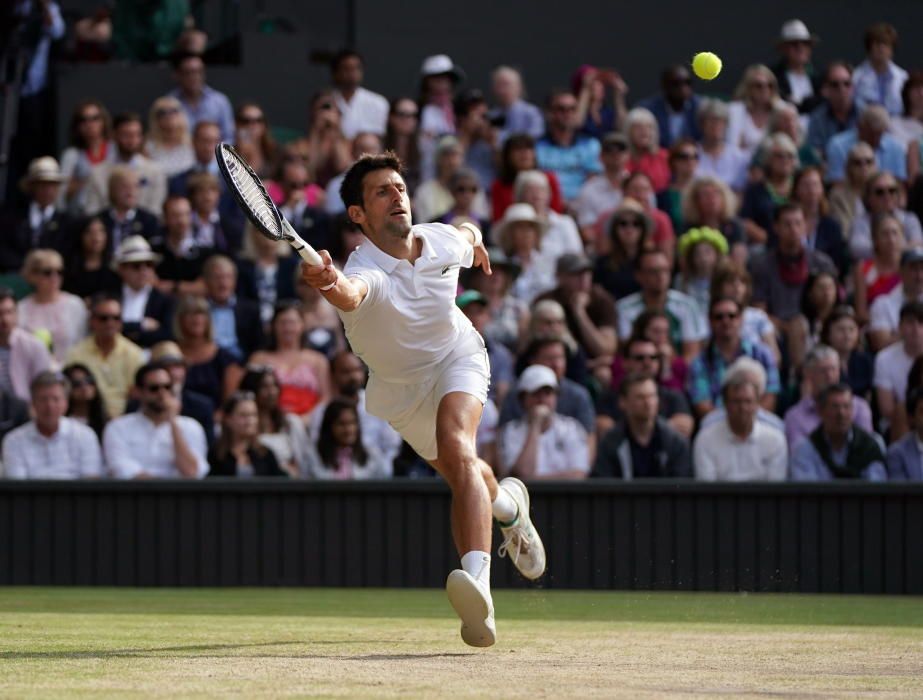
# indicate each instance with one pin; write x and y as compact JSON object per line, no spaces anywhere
{"x":682,"y":286}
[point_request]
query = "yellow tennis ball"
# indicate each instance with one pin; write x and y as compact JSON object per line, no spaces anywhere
{"x":706,"y":65}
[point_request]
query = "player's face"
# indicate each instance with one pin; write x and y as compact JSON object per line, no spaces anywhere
{"x":386,"y":205}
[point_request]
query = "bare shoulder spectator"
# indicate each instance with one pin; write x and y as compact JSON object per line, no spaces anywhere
{"x":51,"y":446}
{"x":643,"y":445}
{"x":111,"y":357}
{"x":905,"y":457}
{"x":156,"y":441}
{"x":798,"y":83}
{"x":871,"y":128}
{"x":878,"y":79}
{"x":602,"y":193}
{"x":543,"y":444}
{"x":740,"y":447}
{"x":238,"y":452}
{"x":718,"y":158}
{"x":837,"y":112}
{"x":838,"y":448}
{"x":89,"y":145}
{"x":676,"y":107}
{"x":49,"y":310}
{"x":513,"y":114}
{"x":572,"y":157}
{"x":341,"y":453}
{"x":748,"y":117}
{"x":169,"y":136}
{"x":22,"y":355}
{"x":882,"y":194}
{"x":201,"y":101}
{"x":362,"y":110}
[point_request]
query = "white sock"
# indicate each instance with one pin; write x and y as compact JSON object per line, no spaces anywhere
{"x":477,"y":565}
{"x":504,"y":507}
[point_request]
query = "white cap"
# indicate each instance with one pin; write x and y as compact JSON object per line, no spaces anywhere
{"x":796,"y":30}
{"x":537,"y":377}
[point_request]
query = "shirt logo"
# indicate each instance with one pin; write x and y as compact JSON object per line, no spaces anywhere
{"x":447,"y":268}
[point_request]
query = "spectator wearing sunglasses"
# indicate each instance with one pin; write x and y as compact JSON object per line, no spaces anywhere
{"x":882,"y":196}
{"x":837,"y":112}
{"x":872,"y":128}
{"x":797,"y":81}
{"x":89,"y":145}
{"x":846,"y":196}
{"x":61,"y":315}
{"x":147,"y":313}
{"x":676,"y":107}
{"x":253,"y":133}
{"x":464,"y":185}
{"x":168,"y":138}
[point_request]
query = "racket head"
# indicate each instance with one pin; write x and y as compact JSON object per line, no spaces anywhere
{"x":249,"y":192}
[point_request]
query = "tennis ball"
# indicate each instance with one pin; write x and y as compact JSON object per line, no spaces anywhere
{"x":706,"y":65}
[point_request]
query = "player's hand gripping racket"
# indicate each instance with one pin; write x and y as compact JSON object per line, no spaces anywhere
{"x":257,"y":204}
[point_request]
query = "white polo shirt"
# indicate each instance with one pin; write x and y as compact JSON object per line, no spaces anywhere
{"x":408,"y":322}
{"x":133,"y":445}
{"x":719,"y":455}
{"x":367,"y":111}
{"x":71,"y":453}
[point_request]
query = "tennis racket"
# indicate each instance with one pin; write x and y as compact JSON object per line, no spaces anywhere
{"x":256,"y":203}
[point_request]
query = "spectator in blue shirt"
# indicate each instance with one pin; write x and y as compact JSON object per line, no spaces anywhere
{"x":201,"y":102}
{"x":872,"y":129}
{"x":513,"y":115}
{"x":837,"y":113}
{"x":676,"y":107}
{"x":569,"y":155}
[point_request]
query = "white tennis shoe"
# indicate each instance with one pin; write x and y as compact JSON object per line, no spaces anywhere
{"x":473,"y":604}
{"x":521,"y":540}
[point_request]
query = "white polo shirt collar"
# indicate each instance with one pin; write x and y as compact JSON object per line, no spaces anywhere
{"x":389,"y":263}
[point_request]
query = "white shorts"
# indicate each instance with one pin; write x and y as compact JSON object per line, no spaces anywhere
{"x":411,"y":408}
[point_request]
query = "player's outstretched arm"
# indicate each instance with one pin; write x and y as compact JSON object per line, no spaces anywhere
{"x":472,"y":234}
{"x":343,"y":292}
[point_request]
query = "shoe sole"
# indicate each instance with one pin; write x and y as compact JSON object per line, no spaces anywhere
{"x":472,"y":608}
{"x":525,"y":493}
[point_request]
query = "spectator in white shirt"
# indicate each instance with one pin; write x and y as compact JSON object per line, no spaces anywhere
{"x":602,"y":193}
{"x":51,"y":446}
{"x":892,"y":367}
{"x":740,"y":448}
{"x":561,"y":233}
{"x":543,"y":444}
{"x":155,"y":442}
{"x":878,"y":79}
{"x":360,"y":109}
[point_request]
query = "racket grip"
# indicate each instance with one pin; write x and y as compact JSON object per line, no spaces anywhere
{"x":307,"y":253}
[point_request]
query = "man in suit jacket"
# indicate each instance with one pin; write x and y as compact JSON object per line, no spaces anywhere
{"x":676,"y":100}
{"x":236,"y":322}
{"x":797,"y":81}
{"x":905,"y":457}
{"x":43,"y":224}
{"x":147,"y":313}
{"x":125,"y":217}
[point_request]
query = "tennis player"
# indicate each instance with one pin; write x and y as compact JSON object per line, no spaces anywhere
{"x":429,"y":371}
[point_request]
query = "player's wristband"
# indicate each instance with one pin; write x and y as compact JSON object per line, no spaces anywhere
{"x":476,"y":232}
{"x":329,"y":286}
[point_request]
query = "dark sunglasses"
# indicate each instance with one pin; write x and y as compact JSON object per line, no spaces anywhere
{"x":51,"y":272}
{"x":564,"y":108}
{"x":90,"y":118}
{"x":406,"y":115}
{"x":325,"y":105}
{"x":251,"y":120}
{"x":107,"y":317}
{"x":727,"y":315}
{"x":882,"y":191}
{"x":467,"y":188}
{"x":295,"y":185}
{"x":644,"y":358}
{"x":839,"y":83}
{"x":615,"y":146}
{"x":153,"y":388}
{"x":83,"y":381}
{"x":686,"y":156}
{"x":637,"y":223}
{"x":862,"y":161}
{"x":166,"y":111}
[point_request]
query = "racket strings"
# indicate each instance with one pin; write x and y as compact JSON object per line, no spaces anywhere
{"x":253,"y":195}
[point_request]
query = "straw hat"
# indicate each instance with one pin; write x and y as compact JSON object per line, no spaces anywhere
{"x":44,"y":169}
{"x":134,"y":249}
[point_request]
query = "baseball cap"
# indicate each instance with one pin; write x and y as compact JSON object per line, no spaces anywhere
{"x":536,"y":377}
{"x":468,"y":297}
{"x":911,"y":256}
{"x":571,"y":263}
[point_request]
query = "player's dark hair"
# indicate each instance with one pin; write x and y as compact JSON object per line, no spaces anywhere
{"x":341,"y":56}
{"x":327,"y":447}
{"x":351,"y":188}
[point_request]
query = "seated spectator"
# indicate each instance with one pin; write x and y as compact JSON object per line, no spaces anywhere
{"x":325,"y":149}
{"x":237,"y":324}
{"x":884,"y":315}
{"x":757,"y":372}
{"x":84,"y":402}
{"x":638,"y":187}
{"x":401,"y":137}
{"x":821,"y":370}
{"x":892,"y":367}
{"x":676,"y":107}
{"x":645,"y":153}
{"x":284,"y":434}
{"x":475,"y":135}
{"x":433,"y":196}
{"x":502,"y":375}
{"x":846,"y":196}
{"x":168,"y":138}
{"x":571,"y":156}
{"x":544,"y":443}
{"x":439,"y":79}
{"x":588,"y":308}
{"x":824,"y":233}
{"x":349,"y":377}
{"x":324,"y":330}
{"x":124,"y":216}
{"x":51,"y":446}
{"x":363,"y":142}
{"x":464,"y":186}
{"x":293,"y":191}
{"x":156,"y":441}
{"x":201,"y":101}
{"x":820,"y":297}
{"x":708,"y":202}
{"x":90,"y":133}
{"x":656,"y":325}
{"x":905,"y":457}
{"x":238,"y":451}
{"x":362,"y":109}
{"x":193,"y":404}
{"x":838,"y":448}
{"x":786,"y":120}
{"x":740,"y":447}
{"x":641,"y":356}
{"x":879,"y":81}
{"x":600,"y":100}
{"x":871,"y":128}
{"x":701,"y":250}
{"x":748,"y":115}
{"x":210,"y":369}
{"x":797,"y":82}
{"x":513,"y":113}
{"x":683,"y":159}
{"x":341,"y":454}
{"x":267,"y":274}
{"x":908,"y":127}
{"x":179,"y":271}
{"x":706,"y":375}
{"x":147,"y":313}
{"x":687,"y":325}
{"x":206,"y":136}
{"x":251,"y":130}
{"x":561,"y":234}
{"x":629,"y":231}
{"x":111,"y":357}
{"x":880,"y":274}
{"x":603,"y":192}
{"x":516,"y":156}
{"x":60,"y":315}
{"x":303,"y":374}
{"x":778,"y":160}
{"x":882,"y":196}
{"x":519,"y":234}
{"x":841,"y":332}
{"x":732,"y":280}
{"x":549,"y":321}
{"x":837,"y":112}
{"x":44,"y":224}
{"x":22,"y":355}
{"x":128,"y":137}
{"x":13,"y":413}
{"x":719,"y":159}
{"x":509,"y":315}
{"x":210,"y":228}
{"x":87,"y":270}
{"x":779,"y":277}
{"x":643,"y":445}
